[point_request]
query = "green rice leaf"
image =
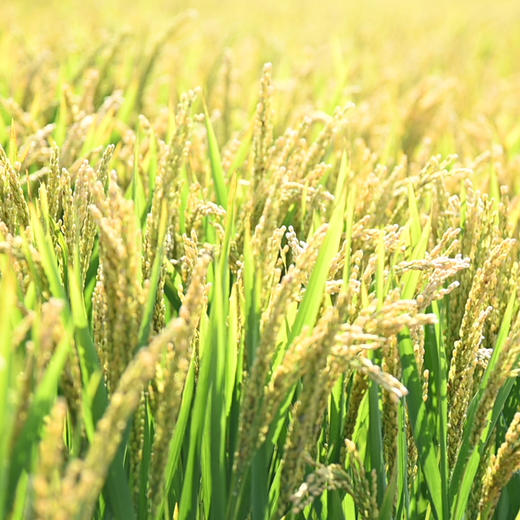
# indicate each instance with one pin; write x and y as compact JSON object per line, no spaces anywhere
{"x":217,"y":172}
{"x":422,"y":427}
{"x":310,"y":305}
{"x":7,"y":379}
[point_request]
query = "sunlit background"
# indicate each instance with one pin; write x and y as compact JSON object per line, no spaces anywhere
{"x":453,"y":65}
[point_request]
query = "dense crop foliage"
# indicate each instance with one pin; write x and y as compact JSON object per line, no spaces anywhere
{"x":259,"y":261}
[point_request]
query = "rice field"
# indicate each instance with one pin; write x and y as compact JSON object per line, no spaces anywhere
{"x":259,"y":261}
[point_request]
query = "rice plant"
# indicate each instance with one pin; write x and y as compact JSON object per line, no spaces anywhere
{"x":259,"y":262}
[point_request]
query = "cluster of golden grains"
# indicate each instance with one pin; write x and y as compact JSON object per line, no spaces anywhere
{"x":176,"y":364}
{"x":501,"y":468}
{"x":119,"y":293}
{"x":48,"y":476}
{"x":464,"y":356}
{"x":255,"y":406}
{"x":355,"y":482}
{"x":15,"y":214}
